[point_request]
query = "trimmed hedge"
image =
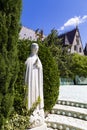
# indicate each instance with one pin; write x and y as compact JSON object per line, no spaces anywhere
{"x":51,"y":77}
{"x":10,"y":11}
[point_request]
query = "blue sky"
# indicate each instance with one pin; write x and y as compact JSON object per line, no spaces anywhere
{"x":62,"y":15}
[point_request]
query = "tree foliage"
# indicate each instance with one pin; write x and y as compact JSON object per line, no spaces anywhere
{"x":79,"y":65}
{"x":20,"y":88}
{"x":52,"y":38}
{"x":9,"y":29}
{"x":62,"y":57}
{"x":51,"y":77}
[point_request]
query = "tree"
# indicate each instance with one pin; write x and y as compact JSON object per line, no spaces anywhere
{"x":20,"y":88}
{"x":39,"y":34}
{"x":9,"y":32}
{"x":79,"y":65}
{"x":52,"y":38}
{"x":62,"y":57}
{"x":64,"y":63}
{"x":51,"y":77}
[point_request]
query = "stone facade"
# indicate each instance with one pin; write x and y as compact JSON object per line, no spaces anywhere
{"x":77,"y":46}
{"x":72,"y":40}
{"x":29,"y":34}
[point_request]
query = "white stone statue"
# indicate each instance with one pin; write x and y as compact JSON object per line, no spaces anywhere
{"x":34,"y":81}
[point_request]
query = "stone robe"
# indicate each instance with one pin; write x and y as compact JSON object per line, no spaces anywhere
{"x":34,"y":80}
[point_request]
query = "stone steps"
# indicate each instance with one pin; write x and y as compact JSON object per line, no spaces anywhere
{"x":67,"y":115}
{"x":80,"y":113}
{"x":70,"y":111}
{"x":60,"y":122}
{"x":72,"y":103}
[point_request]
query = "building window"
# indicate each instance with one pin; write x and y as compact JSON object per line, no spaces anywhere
{"x":80,"y":50}
{"x":77,"y":39}
{"x":75,"y":48}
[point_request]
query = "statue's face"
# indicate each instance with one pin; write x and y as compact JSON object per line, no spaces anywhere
{"x":34,"y":48}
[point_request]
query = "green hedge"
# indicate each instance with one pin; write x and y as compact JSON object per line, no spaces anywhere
{"x":51,"y":77}
{"x":9,"y":32}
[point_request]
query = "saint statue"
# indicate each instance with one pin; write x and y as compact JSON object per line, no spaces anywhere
{"x":34,"y":77}
{"x":34,"y":81}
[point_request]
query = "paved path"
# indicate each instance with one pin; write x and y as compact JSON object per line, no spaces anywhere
{"x":73,"y":93}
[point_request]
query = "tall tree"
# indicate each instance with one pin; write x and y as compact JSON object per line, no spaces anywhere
{"x":39,"y":34}
{"x":63,"y":58}
{"x":52,"y":38}
{"x":9,"y":30}
{"x":79,"y":65}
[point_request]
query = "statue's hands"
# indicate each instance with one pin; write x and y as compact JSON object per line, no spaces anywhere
{"x":36,"y":63}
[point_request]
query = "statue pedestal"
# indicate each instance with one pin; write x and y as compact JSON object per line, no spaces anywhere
{"x":37,"y":118}
{"x":42,"y":127}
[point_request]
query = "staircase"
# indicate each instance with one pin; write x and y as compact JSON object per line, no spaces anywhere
{"x":67,"y":115}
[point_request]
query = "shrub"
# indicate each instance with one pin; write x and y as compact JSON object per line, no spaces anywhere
{"x":20,"y":88}
{"x":51,"y":77}
{"x":9,"y":30}
{"x":18,"y":121}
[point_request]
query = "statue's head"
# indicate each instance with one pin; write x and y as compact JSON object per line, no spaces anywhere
{"x":34,"y":48}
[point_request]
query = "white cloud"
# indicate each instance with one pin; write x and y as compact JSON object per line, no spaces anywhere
{"x":73,"y":21}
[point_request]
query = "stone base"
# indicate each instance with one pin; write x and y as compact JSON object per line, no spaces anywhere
{"x":42,"y":127}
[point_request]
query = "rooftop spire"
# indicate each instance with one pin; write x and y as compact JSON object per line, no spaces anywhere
{"x":76,"y":24}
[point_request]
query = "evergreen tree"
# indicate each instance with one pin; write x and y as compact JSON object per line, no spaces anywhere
{"x":62,"y":57}
{"x":50,"y":77}
{"x":9,"y":30}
